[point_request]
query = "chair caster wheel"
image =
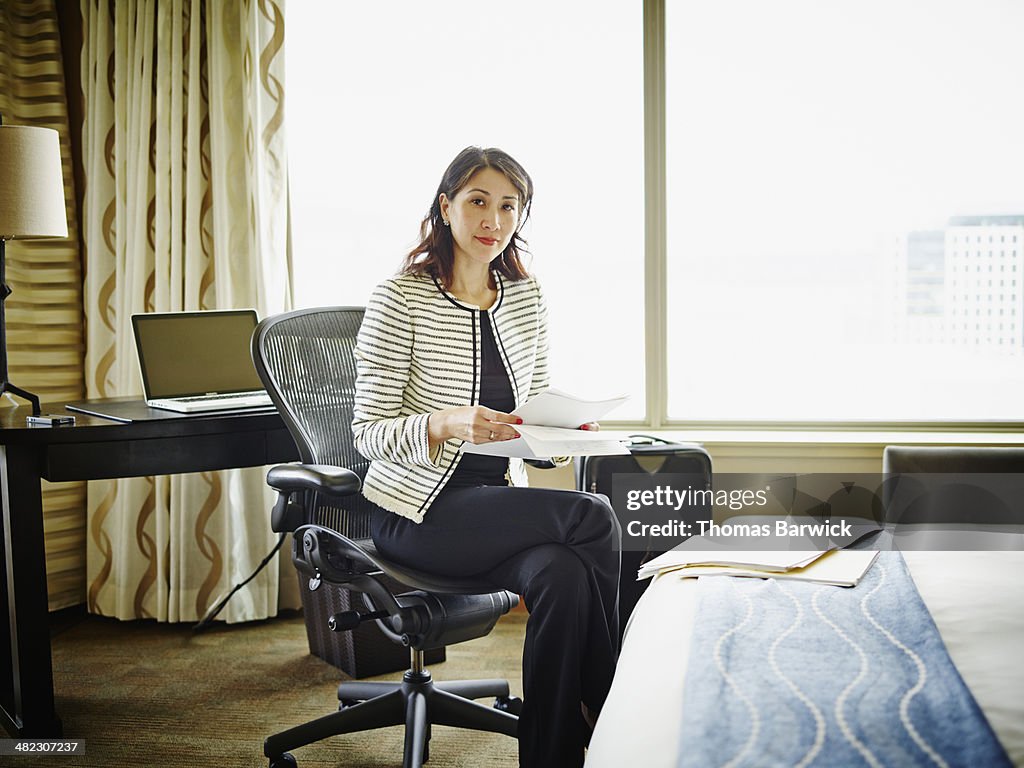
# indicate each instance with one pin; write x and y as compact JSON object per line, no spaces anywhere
{"x":511,"y":704}
{"x":284,"y":760}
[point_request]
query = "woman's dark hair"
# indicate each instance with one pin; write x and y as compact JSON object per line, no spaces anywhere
{"x":435,"y":253}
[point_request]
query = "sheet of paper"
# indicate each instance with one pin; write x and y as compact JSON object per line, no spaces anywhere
{"x":544,"y":442}
{"x":552,"y":408}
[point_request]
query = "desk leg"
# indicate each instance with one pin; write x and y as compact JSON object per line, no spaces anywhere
{"x":26,"y":692}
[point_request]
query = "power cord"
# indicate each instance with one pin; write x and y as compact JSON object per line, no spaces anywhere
{"x":212,"y":613}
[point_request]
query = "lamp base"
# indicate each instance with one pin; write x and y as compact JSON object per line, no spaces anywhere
{"x":6,"y":386}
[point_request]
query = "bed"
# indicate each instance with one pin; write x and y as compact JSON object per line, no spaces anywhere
{"x":975,"y":598}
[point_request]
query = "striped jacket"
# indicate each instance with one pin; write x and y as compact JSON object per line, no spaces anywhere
{"x":418,"y":351}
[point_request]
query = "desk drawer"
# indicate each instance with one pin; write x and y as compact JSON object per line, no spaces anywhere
{"x":166,"y":456}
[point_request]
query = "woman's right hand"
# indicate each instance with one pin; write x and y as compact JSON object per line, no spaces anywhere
{"x":472,"y":423}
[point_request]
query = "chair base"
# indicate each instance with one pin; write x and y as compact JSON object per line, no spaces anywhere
{"x":417,"y":701}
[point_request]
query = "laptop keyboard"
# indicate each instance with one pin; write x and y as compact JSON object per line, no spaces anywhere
{"x":231,"y":396}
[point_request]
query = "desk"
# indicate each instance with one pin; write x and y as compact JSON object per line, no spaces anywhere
{"x":92,"y":449}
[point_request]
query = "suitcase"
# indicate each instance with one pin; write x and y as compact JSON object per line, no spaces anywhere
{"x":650,"y":455}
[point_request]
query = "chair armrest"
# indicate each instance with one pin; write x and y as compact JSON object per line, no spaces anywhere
{"x":288,"y":479}
{"x":321,"y":478}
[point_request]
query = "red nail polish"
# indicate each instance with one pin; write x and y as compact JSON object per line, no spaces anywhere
{"x":518,"y":420}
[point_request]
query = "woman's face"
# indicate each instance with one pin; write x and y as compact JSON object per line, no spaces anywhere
{"x":483,"y":216}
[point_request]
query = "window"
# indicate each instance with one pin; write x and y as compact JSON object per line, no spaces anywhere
{"x":381,"y":96}
{"x":819,"y":138}
{"x":820,"y":194}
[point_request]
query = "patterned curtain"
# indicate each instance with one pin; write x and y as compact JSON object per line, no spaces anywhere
{"x":44,"y":314}
{"x":185,"y":209}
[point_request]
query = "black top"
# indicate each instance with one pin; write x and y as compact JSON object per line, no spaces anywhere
{"x":495,"y":393}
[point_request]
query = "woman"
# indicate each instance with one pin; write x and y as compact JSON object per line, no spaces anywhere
{"x":446,"y":350}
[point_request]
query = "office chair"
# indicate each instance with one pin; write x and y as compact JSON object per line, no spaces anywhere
{"x":305,"y":359}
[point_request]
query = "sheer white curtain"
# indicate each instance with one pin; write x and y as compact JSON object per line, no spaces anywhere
{"x":185,"y":209}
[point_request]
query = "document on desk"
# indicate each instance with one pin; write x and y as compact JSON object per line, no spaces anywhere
{"x":551,"y":428}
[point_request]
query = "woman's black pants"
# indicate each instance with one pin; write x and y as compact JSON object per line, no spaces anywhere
{"x":560,"y":551}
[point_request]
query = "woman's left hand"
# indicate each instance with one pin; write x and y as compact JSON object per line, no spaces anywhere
{"x":592,"y":426}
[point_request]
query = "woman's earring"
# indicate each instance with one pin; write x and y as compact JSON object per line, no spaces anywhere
{"x":446,"y":222}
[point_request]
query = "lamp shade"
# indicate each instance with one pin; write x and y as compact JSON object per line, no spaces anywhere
{"x":31,"y":183}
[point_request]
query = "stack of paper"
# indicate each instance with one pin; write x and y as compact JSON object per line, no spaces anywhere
{"x":773,"y":561}
{"x":838,"y":567}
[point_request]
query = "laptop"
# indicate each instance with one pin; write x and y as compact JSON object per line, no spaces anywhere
{"x":198,"y":361}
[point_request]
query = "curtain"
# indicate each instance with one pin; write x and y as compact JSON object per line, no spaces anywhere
{"x":44,"y":314}
{"x":185,"y":209}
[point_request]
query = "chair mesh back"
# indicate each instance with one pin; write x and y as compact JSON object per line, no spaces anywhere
{"x":305,"y":359}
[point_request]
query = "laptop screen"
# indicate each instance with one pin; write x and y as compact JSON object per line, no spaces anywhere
{"x":196,"y":353}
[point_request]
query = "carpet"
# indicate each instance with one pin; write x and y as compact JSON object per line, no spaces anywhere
{"x":147,"y":694}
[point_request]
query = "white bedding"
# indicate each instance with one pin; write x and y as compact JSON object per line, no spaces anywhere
{"x":976,"y":599}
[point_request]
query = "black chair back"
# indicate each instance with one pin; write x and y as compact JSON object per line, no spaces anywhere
{"x":306,"y":360}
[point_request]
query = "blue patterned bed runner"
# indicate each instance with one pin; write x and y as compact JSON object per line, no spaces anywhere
{"x":797,"y":674}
